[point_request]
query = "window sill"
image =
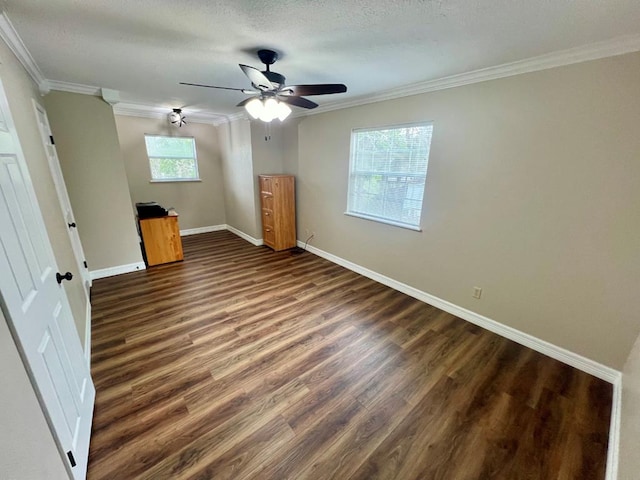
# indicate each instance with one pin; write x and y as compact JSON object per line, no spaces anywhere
{"x":385,"y":221}
{"x":175,"y":180}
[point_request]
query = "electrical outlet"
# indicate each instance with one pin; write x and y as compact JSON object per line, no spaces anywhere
{"x":477,"y":292}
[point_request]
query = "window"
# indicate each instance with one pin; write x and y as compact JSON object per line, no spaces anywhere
{"x":172,"y":159}
{"x":387,"y":173}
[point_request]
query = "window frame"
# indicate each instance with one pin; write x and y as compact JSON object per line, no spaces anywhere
{"x":174,"y":179}
{"x":352,"y":157}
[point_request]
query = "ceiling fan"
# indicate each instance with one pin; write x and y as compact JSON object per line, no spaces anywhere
{"x":271,"y":96}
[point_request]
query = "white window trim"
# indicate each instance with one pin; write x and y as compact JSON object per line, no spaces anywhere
{"x":386,"y":221}
{"x":172,"y":180}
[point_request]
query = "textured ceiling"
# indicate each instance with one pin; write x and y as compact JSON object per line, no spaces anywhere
{"x":143,"y":48}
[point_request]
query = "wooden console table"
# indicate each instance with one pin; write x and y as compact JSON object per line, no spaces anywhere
{"x":161,"y":240}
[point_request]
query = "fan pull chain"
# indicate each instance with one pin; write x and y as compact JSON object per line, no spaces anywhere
{"x":267,"y":131}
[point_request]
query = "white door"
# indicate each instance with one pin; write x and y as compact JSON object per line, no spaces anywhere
{"x":63,"y":196}
{"x":37,"y":308}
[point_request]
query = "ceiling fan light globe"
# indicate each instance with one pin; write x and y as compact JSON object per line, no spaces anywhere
{"x":271,"y":105}
{"x":266,"y":116}
{"x":270,"y":110}
{"x":254,"y":108}
{"x":283,"y":111}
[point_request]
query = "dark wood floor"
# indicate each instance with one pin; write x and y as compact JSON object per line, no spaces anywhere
{"x":242,"y":363}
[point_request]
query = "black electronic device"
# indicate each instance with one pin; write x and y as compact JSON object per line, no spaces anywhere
{"x":150,"y":210}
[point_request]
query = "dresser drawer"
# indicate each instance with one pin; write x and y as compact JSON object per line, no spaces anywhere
{"x":267,"y":217}
{"x":267,"y":200}
{"x":269,"y":236}
{"x":266,"y":185}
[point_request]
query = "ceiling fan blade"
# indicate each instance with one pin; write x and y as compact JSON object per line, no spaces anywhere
{"x":318,"y":89}
{"x":212,"y":86}
{"x":257,"y":78}
{"x":298,"y":102}
{"x":246,"y":91}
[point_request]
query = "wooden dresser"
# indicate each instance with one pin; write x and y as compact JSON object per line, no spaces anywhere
{"x":161,"y":240}
{"x":277,"y":199}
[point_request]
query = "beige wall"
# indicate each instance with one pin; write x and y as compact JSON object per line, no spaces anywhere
{"x":87,"y":141}
{"x":237,"y":168}
{"x":27,"y":448}
{"x":290,"y":156}
{"x":290,"y":146}
{"x":200,"y":204}
{"x":245,"y":155}
{"x":21,"y":92}
{"x":532,"y":194}
{"x":629,"y":460}
{"x":266,"y":148}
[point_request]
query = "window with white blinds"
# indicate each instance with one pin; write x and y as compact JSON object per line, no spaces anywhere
{"x":387,"y":173}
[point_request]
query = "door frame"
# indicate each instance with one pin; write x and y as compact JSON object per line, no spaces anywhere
{"x":65,"y":205}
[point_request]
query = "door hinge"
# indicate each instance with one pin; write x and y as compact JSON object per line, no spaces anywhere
{"x":85,"y":264}
{"x":51,"y":138}
{"x":71,"y":459}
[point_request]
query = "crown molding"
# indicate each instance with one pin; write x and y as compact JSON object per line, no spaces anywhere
{"x":140,"y":109}
{"x":112,"y":97}
{"x":594,"y":51}
{"x":153,"y":111}
{"x":238,"y":116}
{"x":75,"y":88}
{"x":14,"y":42}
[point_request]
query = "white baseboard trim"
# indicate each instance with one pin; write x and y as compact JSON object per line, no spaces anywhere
{"x":565,"y":356}
{"x":87,"y":335}
{"x":589,"y":366}
{"x":195,"y":231}
{"x":133,"y":267}
{"x":613,"y":451}
{"x":118,"y":270}
{"x":255,"y":241}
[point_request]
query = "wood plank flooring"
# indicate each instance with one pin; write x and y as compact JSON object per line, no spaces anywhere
{"x":243,"y":363}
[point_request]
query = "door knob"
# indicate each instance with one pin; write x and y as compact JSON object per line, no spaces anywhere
{"x":72,"y":225}
{"x":66,"y":276}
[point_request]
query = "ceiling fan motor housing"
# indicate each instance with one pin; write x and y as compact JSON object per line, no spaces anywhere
{"x":268,"y":57}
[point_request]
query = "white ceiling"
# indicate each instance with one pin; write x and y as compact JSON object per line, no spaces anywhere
{"x":143,"y":48}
